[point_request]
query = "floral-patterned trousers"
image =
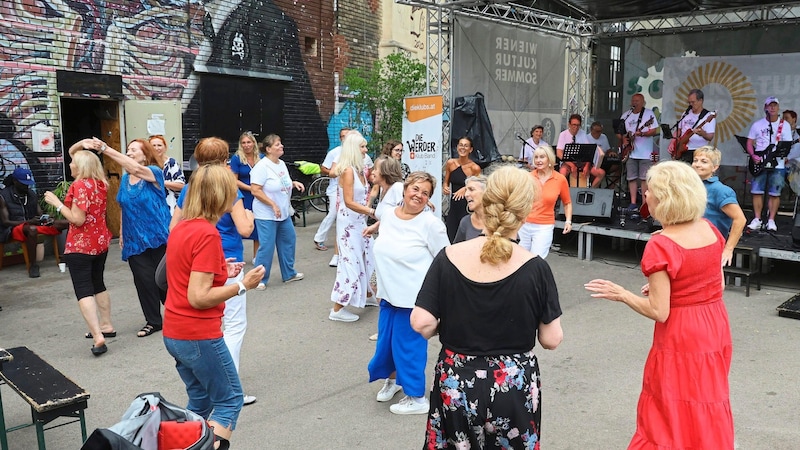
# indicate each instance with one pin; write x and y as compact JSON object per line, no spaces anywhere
{"x":485,"y":402}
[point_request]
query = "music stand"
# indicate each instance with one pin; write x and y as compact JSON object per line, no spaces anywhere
{"x":579,"y":153}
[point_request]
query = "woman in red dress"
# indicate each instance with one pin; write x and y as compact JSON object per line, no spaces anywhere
{"x":685,"y":399}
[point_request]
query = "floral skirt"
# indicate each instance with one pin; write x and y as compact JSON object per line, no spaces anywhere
{"x":485,"y":402}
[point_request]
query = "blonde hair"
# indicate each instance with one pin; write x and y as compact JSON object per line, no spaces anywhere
{"x":548,"y":151}
{"x":509,"y":196}
{"x":419,"y":177}
{"x":211,"y":150}
{"x":211,"y":192}
{"x":351,"y":153}
{"x":88,"y":165}
{"x":680,"y":192}
{"x":240,"y":150}
{"x":713,"y":154}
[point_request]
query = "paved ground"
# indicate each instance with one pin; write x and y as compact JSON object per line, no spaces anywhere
{"x":310,"y":377}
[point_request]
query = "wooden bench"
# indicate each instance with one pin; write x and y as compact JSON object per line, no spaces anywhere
{"x":301,"y":204}
{"x":49,"y":393}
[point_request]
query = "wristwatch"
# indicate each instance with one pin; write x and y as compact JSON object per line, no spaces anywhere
{"x":242,"y":288}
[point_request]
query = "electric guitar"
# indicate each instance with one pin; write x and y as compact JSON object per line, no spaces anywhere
{"x":769,"y":159}
{"x":627,"y":139}
{"x":682,"y":142}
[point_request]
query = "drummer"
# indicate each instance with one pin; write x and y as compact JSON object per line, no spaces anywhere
{"x":532,"y":143}
{"x":793,"y":158}
{"x":608,"y":163}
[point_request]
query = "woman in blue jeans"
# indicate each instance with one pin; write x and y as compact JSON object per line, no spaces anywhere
{"x":196,"y":276}
{"x":272,"y":190}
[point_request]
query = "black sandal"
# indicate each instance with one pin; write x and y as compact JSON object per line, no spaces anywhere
{"x":108,"y":334}
{"x":147,"y":330}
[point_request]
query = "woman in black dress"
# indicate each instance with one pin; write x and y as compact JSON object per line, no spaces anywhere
{"x":456,"y":172}
{"x":489,"y":299}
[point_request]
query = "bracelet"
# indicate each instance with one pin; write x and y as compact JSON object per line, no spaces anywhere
{"x":58,"y":210}
{"x":568,"y":222}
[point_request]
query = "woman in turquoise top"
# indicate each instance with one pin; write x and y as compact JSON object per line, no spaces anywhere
{"x":145,"y":223}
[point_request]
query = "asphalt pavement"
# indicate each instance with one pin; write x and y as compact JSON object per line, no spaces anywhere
{"x":310,"y":374}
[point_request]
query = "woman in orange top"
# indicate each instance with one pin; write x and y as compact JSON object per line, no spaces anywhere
{"x":536,"y":234}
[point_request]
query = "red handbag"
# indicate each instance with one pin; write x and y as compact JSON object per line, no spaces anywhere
{"x":179,"y":434}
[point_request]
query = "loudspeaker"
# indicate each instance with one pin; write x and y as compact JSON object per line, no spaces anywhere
{"x":590,"y":202}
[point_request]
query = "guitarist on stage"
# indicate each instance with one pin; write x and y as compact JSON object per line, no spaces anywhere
{"x":763,"y":133}
{"x":637,"y":146}
{"x":700,"y":131}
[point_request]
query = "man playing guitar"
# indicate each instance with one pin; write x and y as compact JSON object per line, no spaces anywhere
{"x":640,"y":126}
{"x":698,"y":124}
{"x":763,"y":133}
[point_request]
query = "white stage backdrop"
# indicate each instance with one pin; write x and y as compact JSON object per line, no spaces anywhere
{"x":735,"y":87}
{"x":422,"y":140}
{"x":520,"y":72}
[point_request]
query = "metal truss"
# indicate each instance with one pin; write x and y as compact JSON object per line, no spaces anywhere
{"x":439,"y":41}
{"x":776,"y":14}
{"x":578,"y":71}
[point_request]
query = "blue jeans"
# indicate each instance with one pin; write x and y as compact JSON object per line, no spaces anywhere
{"x":775,"y":178}
{"x":280,"y":234}
{"x":212,"y":384}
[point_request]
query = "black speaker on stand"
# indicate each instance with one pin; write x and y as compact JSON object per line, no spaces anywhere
{"x":590,"y":204}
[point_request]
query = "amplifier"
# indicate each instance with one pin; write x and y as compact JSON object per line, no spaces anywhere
{"x":590,"y":202}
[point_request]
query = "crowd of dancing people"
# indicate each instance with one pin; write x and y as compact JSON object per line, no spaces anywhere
{"x":478,"y":280}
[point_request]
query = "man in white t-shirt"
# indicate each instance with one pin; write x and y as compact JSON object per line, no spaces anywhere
{"x":640,"y":127}
{"x":575,"y":135}
{"x":763,"y":133}
{"x":327,"y":168}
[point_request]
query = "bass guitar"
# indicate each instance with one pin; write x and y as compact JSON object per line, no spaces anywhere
{"x":769,"y":157}
{"x":627,"y":140}
{"x":682,"y":142}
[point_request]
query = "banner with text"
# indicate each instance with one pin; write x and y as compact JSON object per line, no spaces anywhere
{"x":422,"y":140}
{"x":520,"y":72}
{"x":733,"y":86}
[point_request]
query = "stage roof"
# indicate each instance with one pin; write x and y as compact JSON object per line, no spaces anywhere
{"x":615,"y":10}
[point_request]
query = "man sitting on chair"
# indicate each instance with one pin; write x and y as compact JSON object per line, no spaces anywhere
{"x":574,"y":135}
{"x":20,"y":215}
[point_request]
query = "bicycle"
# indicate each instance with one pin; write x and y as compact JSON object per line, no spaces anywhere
{"x":315,"y":183}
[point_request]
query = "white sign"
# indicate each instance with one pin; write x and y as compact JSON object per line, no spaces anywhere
{"x":422,"y":140}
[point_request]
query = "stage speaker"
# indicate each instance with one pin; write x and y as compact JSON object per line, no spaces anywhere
{"x":590,"y":203}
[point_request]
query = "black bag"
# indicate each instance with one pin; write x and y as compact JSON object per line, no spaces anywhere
{"x":139,"y":427}
{"x":470,"y":119}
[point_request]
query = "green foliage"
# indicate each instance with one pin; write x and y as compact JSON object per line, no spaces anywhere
{"x":380,"y":91}
{"x":60,"y":191}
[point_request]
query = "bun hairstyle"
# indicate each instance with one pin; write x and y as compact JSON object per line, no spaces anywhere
{"x":509,"y":196}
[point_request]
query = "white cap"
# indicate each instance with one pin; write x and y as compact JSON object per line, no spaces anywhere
{"x":771,"y":100}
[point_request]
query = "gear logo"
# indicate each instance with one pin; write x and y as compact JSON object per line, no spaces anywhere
{"x":726,"y":81}
{"x":650,"y":85}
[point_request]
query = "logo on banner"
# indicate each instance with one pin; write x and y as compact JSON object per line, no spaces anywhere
{"x":419,"y":148}
{"x":727,"y":80}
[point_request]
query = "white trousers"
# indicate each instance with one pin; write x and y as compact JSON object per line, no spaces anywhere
{"x":328,"y":221}
{"x":536,"y":238}
{"x":234,"y":321}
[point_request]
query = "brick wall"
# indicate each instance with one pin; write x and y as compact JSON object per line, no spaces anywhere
{"x":358,"y":33}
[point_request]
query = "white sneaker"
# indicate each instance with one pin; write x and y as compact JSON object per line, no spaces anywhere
{"x":249,"y":399}
{"x":388,"y":391}
{"x":261,"y":287}
{"x":298,"y":276}
{"x":334,"y":261}
{"x":410,"y":405}
{"x":342,"y":315}
{"x":373,"y":337}
{"x":771,"y":225}
{"x":372,"y":301}
{"x":755,"y":224}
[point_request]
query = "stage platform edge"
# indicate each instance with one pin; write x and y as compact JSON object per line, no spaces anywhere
{"x":790,"y":308}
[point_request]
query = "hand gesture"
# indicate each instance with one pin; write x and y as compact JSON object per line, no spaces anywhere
{"x":606,"y":289}
{"x":253,"y":277}
{"x":234,"y":268}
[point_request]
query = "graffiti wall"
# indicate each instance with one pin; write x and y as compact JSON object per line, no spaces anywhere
{"x":161,"y":49}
